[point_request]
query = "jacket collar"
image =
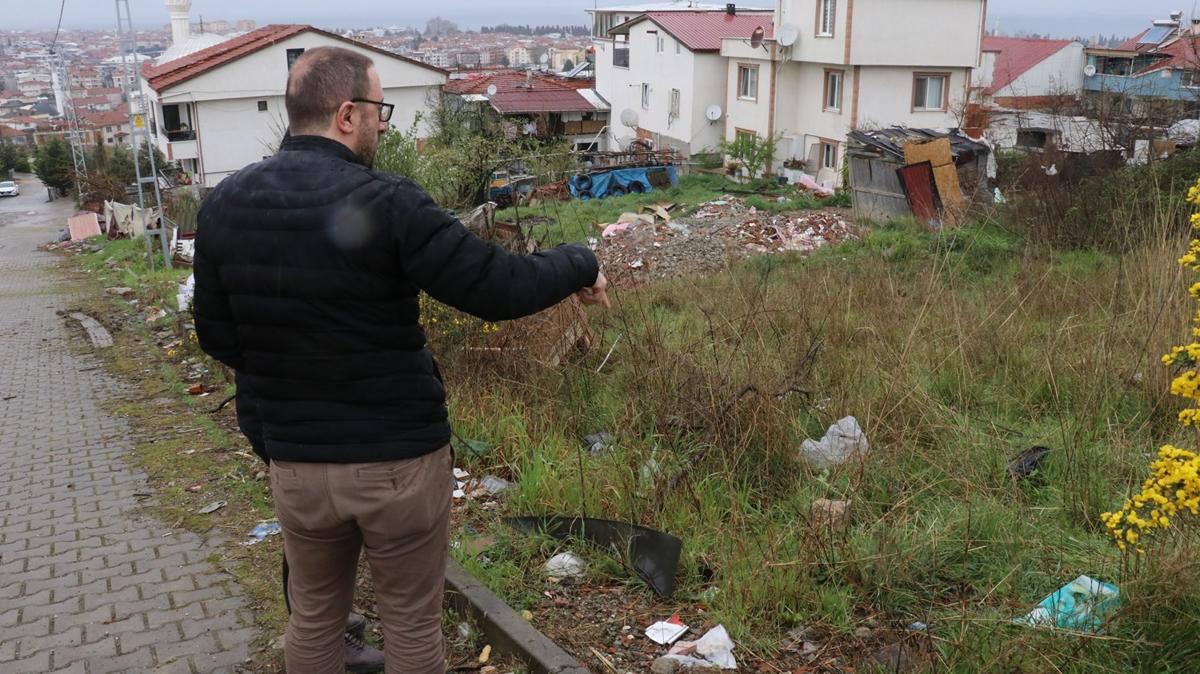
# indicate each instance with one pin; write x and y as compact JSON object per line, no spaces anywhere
{"x":319,"y":144}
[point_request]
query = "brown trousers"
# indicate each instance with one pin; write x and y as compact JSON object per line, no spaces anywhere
{"x":399,"y":511}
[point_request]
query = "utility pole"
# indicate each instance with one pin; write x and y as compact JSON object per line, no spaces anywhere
{"x":139,"y":129}
{"x":61,"y":75}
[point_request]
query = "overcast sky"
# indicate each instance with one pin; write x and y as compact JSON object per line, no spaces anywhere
{"x":1056,"y":17}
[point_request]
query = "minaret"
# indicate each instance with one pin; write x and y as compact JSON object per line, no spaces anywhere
{"x":181,"y":24}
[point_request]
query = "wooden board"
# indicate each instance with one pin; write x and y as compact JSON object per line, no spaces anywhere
{"x":953,"y":204}
{"x":936,"y":152}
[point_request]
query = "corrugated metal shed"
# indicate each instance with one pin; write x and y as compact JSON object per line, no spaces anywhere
{"x":525,"y":102}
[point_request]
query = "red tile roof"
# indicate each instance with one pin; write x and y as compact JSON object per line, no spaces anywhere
{"x":116,"y":117}
{"x":512,"y":80}
{"x":526,"y":102}
{"x":1180,"y":54}
{"x":182,"y":69}
{"x":704,"y":30}
{"x":1017,"y":55}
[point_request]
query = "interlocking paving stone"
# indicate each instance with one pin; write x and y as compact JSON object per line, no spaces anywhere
{"x":88,"y":583}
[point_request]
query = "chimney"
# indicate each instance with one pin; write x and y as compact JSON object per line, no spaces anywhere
{"x":181,"y":24}
{"x":731,"y":9}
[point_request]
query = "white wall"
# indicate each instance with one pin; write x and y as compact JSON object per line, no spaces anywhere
{"x":942,"y":33}
{"x":1062,"y":73}
{"x":705,"y":89}
{"x":810,"y":46}
{"x":886,"y":93}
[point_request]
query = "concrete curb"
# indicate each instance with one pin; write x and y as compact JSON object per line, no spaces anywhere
{"x":507,"y":631}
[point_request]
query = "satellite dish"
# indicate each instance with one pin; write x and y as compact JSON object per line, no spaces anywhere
{"x":491,"y":90}
{"x":1089,"y":70}
{"x":788,"y":34}
{"x":713,"y":113}
{"x":756,"y":38}
{"x":544,"y":59}
{"x":629,"y":118}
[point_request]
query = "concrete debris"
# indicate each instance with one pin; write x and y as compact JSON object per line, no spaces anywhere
{"x":96,"y":333}
{"x":640,"y":246}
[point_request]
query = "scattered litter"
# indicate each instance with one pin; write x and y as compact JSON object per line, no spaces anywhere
{"x":494,"y":485}
{"x":472,"y":447}
{"x":460,"y":474}
{"x":260,"y":533}
{"x":1083,"y":604}
{"x":714,"y":649}
{"x":918,"y":626}
{"x":196,"y":389}
{"x":464,"y":630}
{"x":196,"y":487}
{"x":485,"y":655}
{"x":120,"y":292}
{"x":187,"y":292}
{"x":527,"y":615}
{"x":998,"y":197}
{"x":667,"y":632}
{"x":653,"y":555}
{"x":599,"y":444}
{"x":1027,"y":463}
{"x":83,"y":226}
{"x":212,"y":507}
{"x":565,"y":565}
{"x":154,"y":315}
{"x":843,"y":440}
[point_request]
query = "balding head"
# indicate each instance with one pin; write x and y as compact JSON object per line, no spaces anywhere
{"x":321,"y":80}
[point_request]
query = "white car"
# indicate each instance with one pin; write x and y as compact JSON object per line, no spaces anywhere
{"x":9,"y":189}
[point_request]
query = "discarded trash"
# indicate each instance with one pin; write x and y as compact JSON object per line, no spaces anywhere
{"x":494,"y":485}
{"x":464,"y":630}
{"x":527,"y":615}
{"x":653,"y":555}
{"x":831,"y":515}
{"x":472,"y":447}
{"x":918,"y":626}
{"x":1027,"y":462}
{"x":154,"y":315}
{"x":212,"y":507}
{"x":599,"y":443}
{"x":998,"y":197}
{"x":196,"y":488}
{"x":120,"y":291}
{"x":187,"y":292}
{"x":260,"y":533}
{"x":460,"y":474}
{"x":1083,"y":604}
{"x":843,"y":440}
{"x":485,"y":655}
{"x":715,"y":648}
{"x":83,"y":226}
{"x":565,"y":565}
{"x":667,"y":632}
{"x":196,"y":389}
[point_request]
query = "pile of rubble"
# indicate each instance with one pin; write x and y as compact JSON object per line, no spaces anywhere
{"x":653,"y":244}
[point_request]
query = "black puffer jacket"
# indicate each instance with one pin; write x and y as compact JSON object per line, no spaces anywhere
{"x":307,"y":271}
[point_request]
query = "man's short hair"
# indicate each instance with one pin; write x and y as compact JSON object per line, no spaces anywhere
{"x":320,"y":81}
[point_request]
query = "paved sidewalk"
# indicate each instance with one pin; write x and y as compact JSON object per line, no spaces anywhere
{"x":87,"y":584}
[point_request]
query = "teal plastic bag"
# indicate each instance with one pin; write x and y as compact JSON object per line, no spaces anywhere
{"x":1082,"y":605}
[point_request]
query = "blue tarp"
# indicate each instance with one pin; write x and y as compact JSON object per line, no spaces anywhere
{"x":600,"y":185}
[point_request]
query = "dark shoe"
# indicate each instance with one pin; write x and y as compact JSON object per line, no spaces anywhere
{"x":356,"y":625}
{"x":361,"y":658}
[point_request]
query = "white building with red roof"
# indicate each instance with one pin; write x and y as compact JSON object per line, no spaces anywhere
{"x":221,"y":108}
{"x":1026,"y":73}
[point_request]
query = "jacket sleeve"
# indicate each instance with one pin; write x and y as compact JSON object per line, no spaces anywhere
{"x":440,"y":256}
{"x":215,"y":327}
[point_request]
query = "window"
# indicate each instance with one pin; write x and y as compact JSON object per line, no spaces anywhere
{"x":678,"y":48}
{"x":929,"y":91}
{"x":262,"y":106}
{"x":829,"y":155}
{"x":673,"y":107}
{"x":292,"y":55}
{"x":833,"y":90}
{"x":660,"y":43}
{"x":748,"y":83}
{"x":1190,"y":79}
{"x":827,"y":13}
{"x":744,"y":136}
{"x":645,"y":96}
{"x":620,"y":54}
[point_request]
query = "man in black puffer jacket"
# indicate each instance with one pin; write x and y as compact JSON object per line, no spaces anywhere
{"x":308,"y":266}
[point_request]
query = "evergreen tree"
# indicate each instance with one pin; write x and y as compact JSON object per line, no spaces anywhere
{"x":54,"y":165}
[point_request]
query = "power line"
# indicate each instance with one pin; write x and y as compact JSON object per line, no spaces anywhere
{"x":62,"y":6}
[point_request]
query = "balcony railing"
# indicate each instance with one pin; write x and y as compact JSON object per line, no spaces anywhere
{"x":178,"y":136}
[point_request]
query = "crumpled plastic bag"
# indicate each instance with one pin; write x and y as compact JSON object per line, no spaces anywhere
{"x":1082,"y":605}
{"x":714,"y":649}
{"x":187,"y":292}
{"x":843,"y":440}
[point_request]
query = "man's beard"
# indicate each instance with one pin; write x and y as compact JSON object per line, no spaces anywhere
{"x":368,"y":143}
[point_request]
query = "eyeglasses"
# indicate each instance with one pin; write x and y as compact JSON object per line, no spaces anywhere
{"x":385,"y":109}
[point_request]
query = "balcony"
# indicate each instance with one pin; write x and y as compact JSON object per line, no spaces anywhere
{"x":586,"y":127}
{"x":181,"y":135}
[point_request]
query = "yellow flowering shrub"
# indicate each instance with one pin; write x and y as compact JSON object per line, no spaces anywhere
{"x":1173,"y":488}
{"x":442,"y":322}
